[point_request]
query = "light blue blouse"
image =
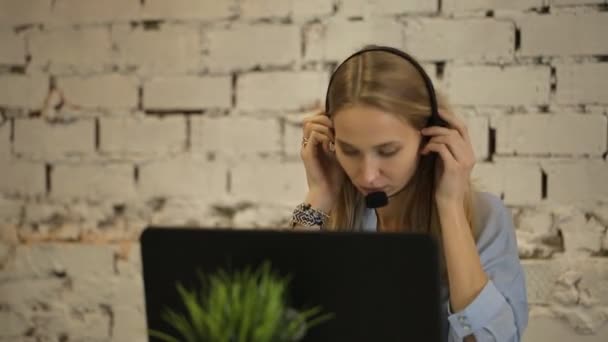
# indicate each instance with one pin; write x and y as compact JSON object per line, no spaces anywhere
{"x":500,"y":311}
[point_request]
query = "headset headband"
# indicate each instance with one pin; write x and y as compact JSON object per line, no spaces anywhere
{"x":434,"y":120}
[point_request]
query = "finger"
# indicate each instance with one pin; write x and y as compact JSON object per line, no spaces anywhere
{"x":455,"y":144}
{"x":310,"y":127}
{"x":315,"y":139}
{"x":444,"y":152}
{"x":455,"y":122}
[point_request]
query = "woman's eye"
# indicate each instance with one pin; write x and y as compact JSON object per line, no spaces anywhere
{"x":349,"y":152}
{"x":388,"y":153}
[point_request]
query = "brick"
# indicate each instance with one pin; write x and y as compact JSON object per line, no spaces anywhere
{"x":466,"y":39}
{"x":479,"y":131}
{"x":21,"y":12}
{"x":182,"y":177}
{"x":19,"y":91}
{"x":254,"y":9}
{"x":13,"y":48}
{"x":129,"y":324}
{"x":269,"y":182}
{"x":23,"y":295}
{"x":41,"y":140}
{"x":304,"y":9}
{"x":10,"y":212}
{"x":582,"y":84}
{"x":113,"y":182}
{"x":5,"y":141}
{"x":508,"y":86}
{"x":587,"y":134}
{"x":84,"y":50}
{"x":188,"y":93}
{"x":485,"y":5}
{"x":517,"y":183}
{"x":578,"y":180}
{"x":563,"y":35}
{"x":22,"y":178}
{"x":536,"y":233}
{"x":358,"y":8}
{"x":234,"y":136}
{"x":266,"y":45}
{"x":576,"y":2}
{"x":580,"y":235}
{"x":107,"y":91}
{"x":13,"y":324}
{"x":92,"y":11}
{"x":337,"y":39}
{"x":280,"y":90}
{"x":189,"y":9}
{"x":75,"y":260}
{"x":168,"y":49}
{"x":142,"y":136}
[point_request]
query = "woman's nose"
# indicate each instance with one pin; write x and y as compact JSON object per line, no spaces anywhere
{"x":370,"y":172}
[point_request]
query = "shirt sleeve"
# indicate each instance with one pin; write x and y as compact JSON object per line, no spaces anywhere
{"x":500,"y":311}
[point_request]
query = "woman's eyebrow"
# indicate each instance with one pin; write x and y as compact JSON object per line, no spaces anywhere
{"x":385,"y":144}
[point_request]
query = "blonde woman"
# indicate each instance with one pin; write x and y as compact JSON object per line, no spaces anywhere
{"x":374,"y":136}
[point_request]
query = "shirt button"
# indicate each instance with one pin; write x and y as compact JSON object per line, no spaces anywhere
{"x":462,"y":319}
{"x":466,"y":327}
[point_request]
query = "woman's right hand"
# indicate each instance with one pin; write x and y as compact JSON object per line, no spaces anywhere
{"x":323,"y":172}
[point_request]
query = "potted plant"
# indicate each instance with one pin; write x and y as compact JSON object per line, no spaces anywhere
{"x":241,"y":306}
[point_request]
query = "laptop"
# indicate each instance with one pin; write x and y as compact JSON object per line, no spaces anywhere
{"x":378,"y":286}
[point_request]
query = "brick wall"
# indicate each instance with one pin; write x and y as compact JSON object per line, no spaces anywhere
{"x":116,"y":114}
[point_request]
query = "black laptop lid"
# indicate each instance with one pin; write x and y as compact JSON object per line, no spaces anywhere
{"x":381,"y":287}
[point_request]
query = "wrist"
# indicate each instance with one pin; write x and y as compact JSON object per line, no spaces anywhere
{"x":319,"y":201}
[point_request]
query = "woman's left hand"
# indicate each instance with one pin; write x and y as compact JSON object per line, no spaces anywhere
{"x":453,"y":170}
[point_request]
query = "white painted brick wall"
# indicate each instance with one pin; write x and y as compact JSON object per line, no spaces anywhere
{"x":189,"y":9}
{"x":96,"y":182}
{"x":41,"y":140}
{"x":10,"y":212}
{"x":20,"y":12}
{"x":13,"y":48}
{"x":450,"y":6}
{"x":270,"y":182}
{"x":364,"y":8}
{"x":166,"y":50}
{"x":66,"y":49}
{"x":118,"y":91}
{"x":183,"y":177}
{"x":338,"y":38}
{"x":577,"y":181}
{"x":22,"y":178}
{"x":187,"y":92}
{"x":246,"y":46}
{"x":145,"y":136}
{"x":280,"y":90}
{"x":582,"y":84}
{"x":464,"y":39}
{"x":563,"y":35}
{"x":570,"y":134}
{"x":490,"y":85}
{"x":235,"y":136}
{"x":20,"y":91}
{"x":93,"y":11}
{"x":517,"y":183}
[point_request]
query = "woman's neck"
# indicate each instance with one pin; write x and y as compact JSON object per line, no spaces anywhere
{"x":390,"y":216}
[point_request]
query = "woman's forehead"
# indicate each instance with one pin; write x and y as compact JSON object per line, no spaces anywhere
{"x":369,"y":121}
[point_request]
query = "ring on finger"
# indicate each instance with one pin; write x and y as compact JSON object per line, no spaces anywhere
{"x":304,"y":141}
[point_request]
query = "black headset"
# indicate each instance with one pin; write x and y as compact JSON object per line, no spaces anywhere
{"x":380,"y":199}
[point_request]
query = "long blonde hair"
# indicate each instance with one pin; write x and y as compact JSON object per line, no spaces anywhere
{"x":390,"y":83}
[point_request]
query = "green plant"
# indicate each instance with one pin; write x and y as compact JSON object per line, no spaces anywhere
{"x":243,"y":306}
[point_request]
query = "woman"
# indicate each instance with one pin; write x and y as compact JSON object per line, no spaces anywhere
{"x":373,"y":137}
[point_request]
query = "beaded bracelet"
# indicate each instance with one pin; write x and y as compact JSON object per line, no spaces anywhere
{"x":307,"y":216}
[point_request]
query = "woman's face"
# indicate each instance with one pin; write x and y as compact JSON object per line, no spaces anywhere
{"x":377,"y":150}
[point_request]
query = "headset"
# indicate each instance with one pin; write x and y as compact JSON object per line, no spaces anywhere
{"x":380,"y":199}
